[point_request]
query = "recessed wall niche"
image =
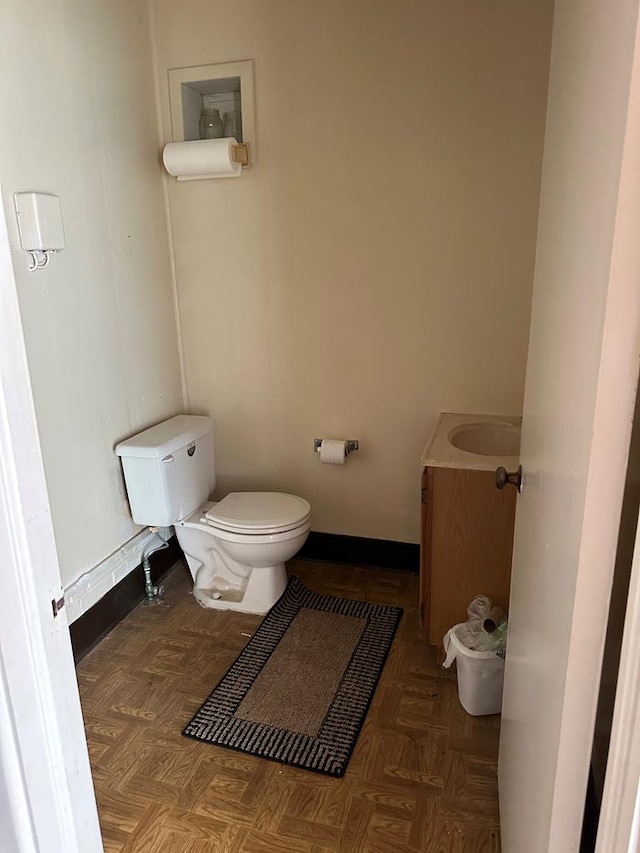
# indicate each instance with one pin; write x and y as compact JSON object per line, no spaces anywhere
{"x":224,"y":85}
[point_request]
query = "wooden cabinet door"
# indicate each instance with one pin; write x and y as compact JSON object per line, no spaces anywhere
{"x":467,"y":544}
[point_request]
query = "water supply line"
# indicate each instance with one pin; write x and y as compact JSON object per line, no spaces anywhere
{"x":153,"y":593}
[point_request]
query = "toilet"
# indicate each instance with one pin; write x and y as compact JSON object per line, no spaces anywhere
{"x":235,"y":548}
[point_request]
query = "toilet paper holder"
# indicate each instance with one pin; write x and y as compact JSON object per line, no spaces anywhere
{"x":351,"y":445}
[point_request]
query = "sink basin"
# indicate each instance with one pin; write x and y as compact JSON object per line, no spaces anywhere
{"x":491,"y":438}
{"x":473,"y":442}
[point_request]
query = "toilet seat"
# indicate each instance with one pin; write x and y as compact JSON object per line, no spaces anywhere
{"x":256,"y":536}
{"x":258,"y":513}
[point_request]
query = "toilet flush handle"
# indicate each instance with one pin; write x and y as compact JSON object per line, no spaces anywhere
{"x":168,"y":458}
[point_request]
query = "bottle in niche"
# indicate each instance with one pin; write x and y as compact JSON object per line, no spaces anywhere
{"x":233,"y":125}
{"x":210,"y":124}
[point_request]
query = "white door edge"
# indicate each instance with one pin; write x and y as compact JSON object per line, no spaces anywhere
{"x":620,"y":813}
{"x":44,"y":760}
{"x":619,"y":824}
{"x":581,"y":383}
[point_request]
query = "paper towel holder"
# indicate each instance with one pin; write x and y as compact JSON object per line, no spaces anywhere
{"x":240,"y":154}
{"x":196,"y":159}
{"x":350,"y":446}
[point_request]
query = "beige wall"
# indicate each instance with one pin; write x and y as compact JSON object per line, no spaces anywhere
{"x":79,"y":120}
{"x":375,"y":267}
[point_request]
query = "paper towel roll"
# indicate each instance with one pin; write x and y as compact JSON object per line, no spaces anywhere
{"x":333,"y":451}
{"x":202,"y":158}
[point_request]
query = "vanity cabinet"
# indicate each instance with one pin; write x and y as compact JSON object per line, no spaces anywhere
{"x":466,"y":545}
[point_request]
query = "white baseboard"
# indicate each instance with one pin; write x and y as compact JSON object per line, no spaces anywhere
{"x":95,"y":583}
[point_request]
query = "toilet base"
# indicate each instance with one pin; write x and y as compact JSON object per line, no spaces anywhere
{"x":264,"y":587}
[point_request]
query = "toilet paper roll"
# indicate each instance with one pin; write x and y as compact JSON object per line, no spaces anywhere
{"x":333,"y":451}
{"x":202,"y":158}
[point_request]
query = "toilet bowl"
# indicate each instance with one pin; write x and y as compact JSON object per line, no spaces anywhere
{"x":236,"y":549}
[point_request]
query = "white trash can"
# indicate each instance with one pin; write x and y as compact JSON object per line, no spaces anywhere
{"x":480,"y":675}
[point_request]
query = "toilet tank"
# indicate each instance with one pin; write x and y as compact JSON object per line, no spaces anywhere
{"x":169,"y":469}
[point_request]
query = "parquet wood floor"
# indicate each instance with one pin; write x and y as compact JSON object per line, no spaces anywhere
{"x":422,"y":777}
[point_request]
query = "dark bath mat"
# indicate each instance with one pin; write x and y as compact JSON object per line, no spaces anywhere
{"x":300,"y":690}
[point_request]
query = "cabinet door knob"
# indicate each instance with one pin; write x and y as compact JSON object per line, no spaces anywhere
{"x":505,"y":478}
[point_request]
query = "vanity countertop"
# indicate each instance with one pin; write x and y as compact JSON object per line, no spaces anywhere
{"x":441,"y":453}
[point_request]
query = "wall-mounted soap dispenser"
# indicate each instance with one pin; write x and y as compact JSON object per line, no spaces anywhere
{"x":40,"y":225}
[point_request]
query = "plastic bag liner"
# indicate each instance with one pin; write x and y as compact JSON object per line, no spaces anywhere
{"x":480,"y":674}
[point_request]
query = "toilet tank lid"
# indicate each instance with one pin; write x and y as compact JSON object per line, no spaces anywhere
{"x":166,"y":437}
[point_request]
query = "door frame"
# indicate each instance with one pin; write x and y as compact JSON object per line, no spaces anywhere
{"x":619,"y":825}
{"x":47,"y":802}
{"x":45,"y":779}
